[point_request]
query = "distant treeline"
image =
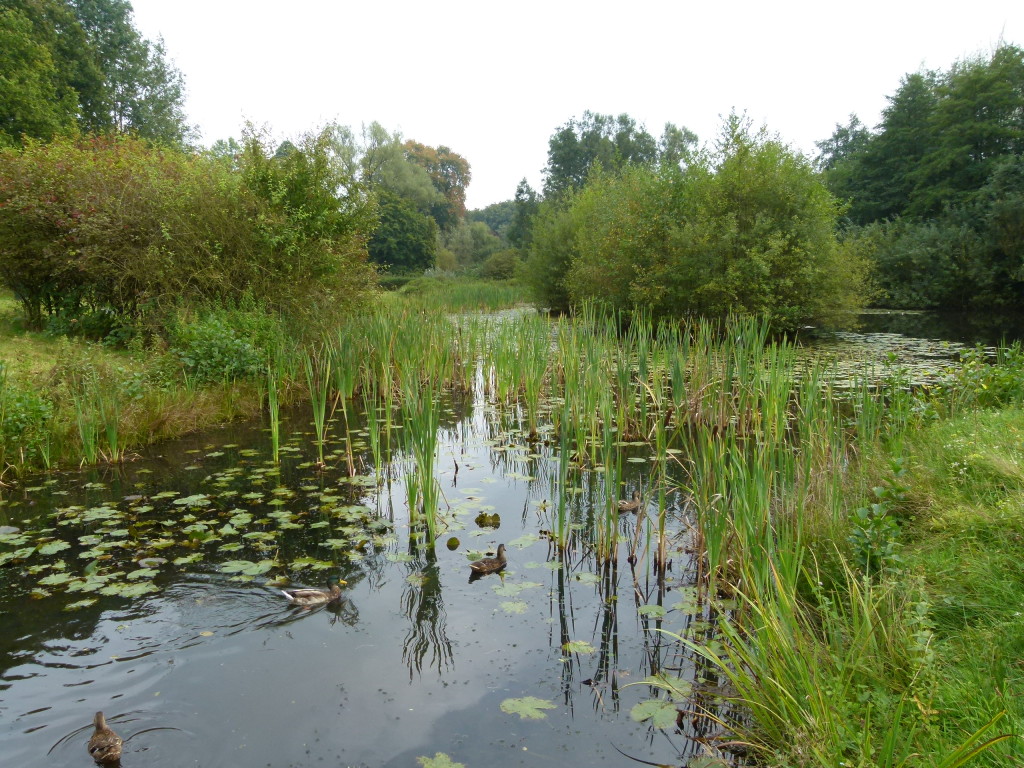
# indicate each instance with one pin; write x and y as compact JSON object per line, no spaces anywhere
{"x":936,"y":191}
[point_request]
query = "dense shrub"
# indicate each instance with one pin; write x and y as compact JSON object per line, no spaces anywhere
{"x":748,"y":229}
{"x":501,"y":265}
{"x":115,"y":225}
{"x":25,"y":417}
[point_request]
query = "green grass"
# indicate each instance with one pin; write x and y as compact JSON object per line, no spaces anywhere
{"x":965,"y":536}
{"x":459,"y":294}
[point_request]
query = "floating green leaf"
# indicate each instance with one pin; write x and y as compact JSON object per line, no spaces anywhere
{"x":661,"y":713}
{"x":439,"y":760}
{"x":53,"y":547}
{"x":247,"y":567}
{"x":80,"y":604}
{"x":514,"y":606}
{"x":578,"y":646}
{"x":657,"y":611}
{"x":528,"y":707}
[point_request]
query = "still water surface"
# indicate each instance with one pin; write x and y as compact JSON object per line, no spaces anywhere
{"x":415,"y":660}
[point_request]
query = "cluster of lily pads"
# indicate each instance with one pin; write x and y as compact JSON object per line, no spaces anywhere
{"x":240,"y":526}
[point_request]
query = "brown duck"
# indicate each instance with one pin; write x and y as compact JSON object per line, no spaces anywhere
{"x":490,"y":564}
{"x":105,"y":745}
{"x":630,"y":506}
{"x":308,"y":597}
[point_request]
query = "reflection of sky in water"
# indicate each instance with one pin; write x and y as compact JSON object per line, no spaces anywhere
{"x":416,"y":660}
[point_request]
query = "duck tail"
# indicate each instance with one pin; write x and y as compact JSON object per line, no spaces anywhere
{"x":287,"y":594}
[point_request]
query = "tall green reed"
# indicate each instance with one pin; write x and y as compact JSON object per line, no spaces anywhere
{"x":317,"y":364}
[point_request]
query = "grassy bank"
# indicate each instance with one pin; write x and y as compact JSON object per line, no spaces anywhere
{"x":884,"y":628}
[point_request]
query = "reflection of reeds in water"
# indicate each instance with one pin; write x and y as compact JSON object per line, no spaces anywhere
{"x":423,"y":605}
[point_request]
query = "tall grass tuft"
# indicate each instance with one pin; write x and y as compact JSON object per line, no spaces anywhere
{"x":317,"y":363}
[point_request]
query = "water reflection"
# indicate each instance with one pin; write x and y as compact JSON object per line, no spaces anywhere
{"x":201,"y":668}
{"x":423,"y":605}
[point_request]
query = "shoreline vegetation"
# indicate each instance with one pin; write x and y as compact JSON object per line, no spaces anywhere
{"x":858,"y":548}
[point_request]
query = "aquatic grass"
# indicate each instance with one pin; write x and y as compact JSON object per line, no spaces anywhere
{"x":420,"y":430}
{"x":274,"y":407}
{"x":317,"y":363}
{"x":831,"y":675}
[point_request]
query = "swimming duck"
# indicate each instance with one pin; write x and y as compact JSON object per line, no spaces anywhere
{"x":105,"y":745}
{"x":313,"y":596}
{"x":630,"y":506}
{"x":490,"y":564}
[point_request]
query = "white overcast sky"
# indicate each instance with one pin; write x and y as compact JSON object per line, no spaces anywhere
{"x":493,"y":80}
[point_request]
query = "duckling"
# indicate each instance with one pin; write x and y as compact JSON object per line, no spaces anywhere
{"x":105,"y":745}
{"x":630,"y":506}
{"x":308,"y":597}
{"x":490,"y":564}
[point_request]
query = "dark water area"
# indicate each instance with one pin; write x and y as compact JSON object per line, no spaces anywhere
{"x":150,"y":591}
{"x":989,"y":328}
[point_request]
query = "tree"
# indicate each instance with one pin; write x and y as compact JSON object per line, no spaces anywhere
{"x":472,"y":242}
{"x":497,"y":216}
{"x":450,"y":175}
{"x":676,"y":146}
{"x":978,"y":119}
{"x":142,"y":92}
{"x":405,"y":239}
{"x":526,"y":206}
{"x":612,"y":142}
{"x":34,"y":101}
{"x":385,"y":165}
{"x":749,"y":229}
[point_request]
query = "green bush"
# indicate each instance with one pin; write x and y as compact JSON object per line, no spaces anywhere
{"x":748,"y":229}
{"x":211,"y":351}
{"x":114,"y":229}
{"x":25,"y":417}
{"x":501,"y":265}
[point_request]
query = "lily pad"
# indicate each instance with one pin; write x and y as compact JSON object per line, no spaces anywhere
{"x":657,"y":611}
{"x":247,"y":567}
{"x":528,"y":707}
{"x":579,"y":646}
{"x":439,"y":760}
{"x":661,"y":713}
{"x":53,"y":547}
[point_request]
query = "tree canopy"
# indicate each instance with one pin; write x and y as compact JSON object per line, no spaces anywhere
{"x":68,"y":65}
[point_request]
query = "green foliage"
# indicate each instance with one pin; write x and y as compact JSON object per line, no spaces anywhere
{"x":497,"y":216}
{"x":875,"y":531}
{"x":946,"y":160}
{"x":405,"y":240}
{"x":25,"y":422}
{"x":210,"y":351}
{"x":116,"y":226}
{"x":554,"y":232}
{"x":471,"y":242}
{"x":526,"y":202}
{"x":985,"y":380}
{"x":34,"y":100}
{"x":83,"y":65}
{"x":594,"y":139}
{"x":748,"y":230}
{"x":502,"y":265}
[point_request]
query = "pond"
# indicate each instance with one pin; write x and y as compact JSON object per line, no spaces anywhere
{"x":158,"y":603}
{"x":151,"y":591}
